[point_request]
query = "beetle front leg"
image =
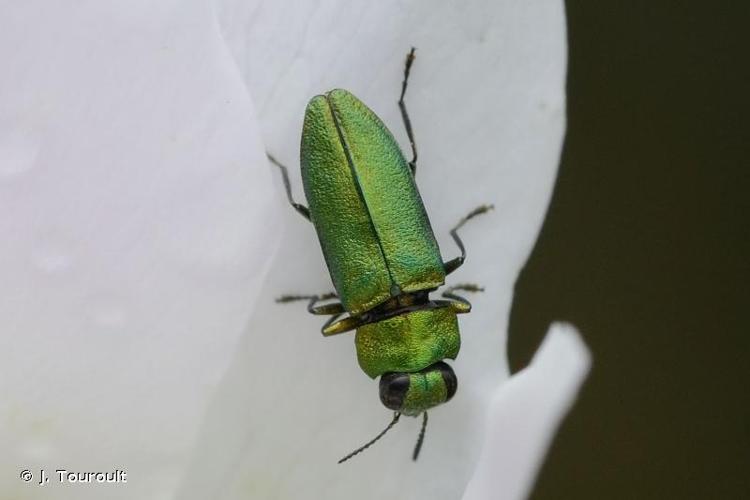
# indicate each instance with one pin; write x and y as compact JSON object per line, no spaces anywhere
{"x":454,"y":264}
{"x":402,"y":105}
{"x":303,"y":210}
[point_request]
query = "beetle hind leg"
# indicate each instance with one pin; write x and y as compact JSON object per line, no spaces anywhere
{"x":303,"y":210}
{"x":454,"y":264}
{"x":404,"y":114}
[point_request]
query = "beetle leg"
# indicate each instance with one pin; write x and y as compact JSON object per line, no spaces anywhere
{"x":461,"y":305}
{"x":303,"y":210}
{"x":332,"y":308}
{"x":454,"y":264}
{"x":402,"y":105}
{"x":467,"y":287}
{"x":328,"y":323}
{"x":333,"y":327}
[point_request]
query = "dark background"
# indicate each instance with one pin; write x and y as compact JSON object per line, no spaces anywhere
{"x":645,"y":249}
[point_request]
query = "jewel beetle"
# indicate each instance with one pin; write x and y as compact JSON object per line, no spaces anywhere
{"x":381,"y":253}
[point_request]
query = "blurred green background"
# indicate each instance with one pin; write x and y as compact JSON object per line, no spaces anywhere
{"x":645,"y":249}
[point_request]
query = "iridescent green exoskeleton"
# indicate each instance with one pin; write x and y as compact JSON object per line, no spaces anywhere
{"x":381,"y":253}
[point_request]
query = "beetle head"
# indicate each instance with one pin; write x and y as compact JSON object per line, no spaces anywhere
{"x":414,"y":393}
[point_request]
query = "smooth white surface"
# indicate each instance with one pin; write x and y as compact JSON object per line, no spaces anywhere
{"x":487,"y":106}
{"x":138,"y":215}
{"x":142,"y":224}
{"x":524,"y":414}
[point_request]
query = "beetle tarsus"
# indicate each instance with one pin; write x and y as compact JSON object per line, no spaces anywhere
{"x":404,"y":114}
{"x":467,"y":287}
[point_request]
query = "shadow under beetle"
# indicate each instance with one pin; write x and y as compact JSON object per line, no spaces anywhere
{"x":381,"y":253}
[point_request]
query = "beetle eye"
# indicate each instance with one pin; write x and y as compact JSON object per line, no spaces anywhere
{"x":449,"y":377}
{"x":393,"y":387}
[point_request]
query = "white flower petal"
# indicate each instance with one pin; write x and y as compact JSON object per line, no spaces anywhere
{"x":136,"y":194}
{"x":487,"y":105}
{"x":524,"y":415}
{"x":136,"y":213}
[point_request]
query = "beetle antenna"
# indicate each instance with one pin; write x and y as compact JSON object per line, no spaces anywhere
{"x":420,"y":439}
{"x":396,"y":416}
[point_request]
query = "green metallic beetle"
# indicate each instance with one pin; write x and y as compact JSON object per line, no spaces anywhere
{"x":381,"y":253}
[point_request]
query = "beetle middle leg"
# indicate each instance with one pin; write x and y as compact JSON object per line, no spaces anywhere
{"x":460,"y":304}
{"x":466,"y":287}
{"x":325,"y":309}
{"x":454,"y":264}
{"x":334,"y":325}
{"x":303,"y":210}
{"x":404,"y":114}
